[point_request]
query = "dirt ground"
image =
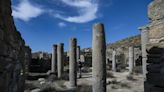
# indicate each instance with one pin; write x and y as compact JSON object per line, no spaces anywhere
{"x":116,"y":82}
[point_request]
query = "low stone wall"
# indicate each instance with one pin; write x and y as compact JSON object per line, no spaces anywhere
{"x":13,"y":52}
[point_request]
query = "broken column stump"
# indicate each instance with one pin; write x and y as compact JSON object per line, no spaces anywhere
{"x":99,"y":58}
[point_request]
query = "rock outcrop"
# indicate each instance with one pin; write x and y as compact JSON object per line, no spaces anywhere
{"x":13,"y":52}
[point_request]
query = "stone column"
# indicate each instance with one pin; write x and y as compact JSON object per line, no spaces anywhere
{"x":99,"y":58}
{"x":60,"y":52}
{"x":73,"y":63}
{"x":54,"y":60}
{"x":144,"y":41}
{"x":114,"y":61}
{"x":79,"y":63}
{"x":78,"y":53}
{"x":131,"y":59}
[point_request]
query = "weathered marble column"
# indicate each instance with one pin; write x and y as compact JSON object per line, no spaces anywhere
{"x":54,"y":60}
{"x":114,"y":61}
{"x":60,"y":52}
{"x":73,"y":63}
{"x":144,"y":41}
{"x":78,"y":53}
{"x":99,"y":58}
{"x":131,"y":59}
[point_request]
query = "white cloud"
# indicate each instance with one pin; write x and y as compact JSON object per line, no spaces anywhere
{"x":26,"y":11}
{"x":62,"y":24}
{"x":78,"y":3}
{"x":87,"y":10}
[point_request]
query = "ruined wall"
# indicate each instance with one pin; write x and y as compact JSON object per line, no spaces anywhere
{"x":155,"y":48}
{"x":12,"y":52}
{"x":156,"y":25}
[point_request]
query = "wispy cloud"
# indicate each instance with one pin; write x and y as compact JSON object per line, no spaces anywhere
{"x":26,"y":11}
{"x":62,"y":24}
{"x":87,"y":10}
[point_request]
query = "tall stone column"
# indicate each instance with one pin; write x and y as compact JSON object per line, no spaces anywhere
{"x":78,"y":53}
{"x":99,"y":58}
{"x":114,"y":61}
{"x":73,"y":63}
{"x":131,"y":59}
{"x":60,"y":56}
{"x":79,"y":63}
{"x":144,"y":41}
{"x":54,"y":60}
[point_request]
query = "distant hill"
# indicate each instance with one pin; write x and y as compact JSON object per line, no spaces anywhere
{"x":125,"y":43}
{"x":134,"y":40}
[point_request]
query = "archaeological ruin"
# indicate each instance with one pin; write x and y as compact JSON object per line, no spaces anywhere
{"x":133,"y":64}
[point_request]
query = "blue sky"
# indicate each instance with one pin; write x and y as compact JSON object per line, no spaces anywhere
{"x":46,"y":22}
